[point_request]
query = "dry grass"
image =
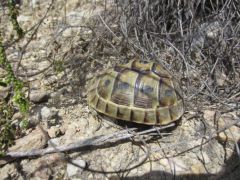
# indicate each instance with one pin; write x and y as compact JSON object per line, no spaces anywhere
{"x":196,"y":40}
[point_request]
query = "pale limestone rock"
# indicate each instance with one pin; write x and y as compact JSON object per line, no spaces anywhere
{"x":198,"y":168}
{"x":35,"y":140}
{"x":75,"y":167}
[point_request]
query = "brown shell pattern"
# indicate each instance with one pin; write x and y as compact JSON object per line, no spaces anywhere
{"x":138,"y":91}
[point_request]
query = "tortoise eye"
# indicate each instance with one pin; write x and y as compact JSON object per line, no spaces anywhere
{"x":123,"y":85}
{"x":107,"y":82}
{"x":147,"y":89}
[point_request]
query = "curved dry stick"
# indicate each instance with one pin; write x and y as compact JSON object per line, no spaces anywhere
{"x":95,"y":141}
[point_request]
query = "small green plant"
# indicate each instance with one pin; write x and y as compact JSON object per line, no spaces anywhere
{"x":13,"y":13}
{"x":24,"y":124}
{"x":58,"y":66}
{"x":7,"y":105}
{"x":16,"y":99}
{"x":7,"y":132}
{"x":10,"y":79}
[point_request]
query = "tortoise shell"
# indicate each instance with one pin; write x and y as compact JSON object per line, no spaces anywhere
{"x":140,"y":92}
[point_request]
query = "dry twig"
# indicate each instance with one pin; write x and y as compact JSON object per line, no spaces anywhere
{"x":92,"y":142}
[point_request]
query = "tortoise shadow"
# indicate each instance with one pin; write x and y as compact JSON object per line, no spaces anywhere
{"x":141,"y":127}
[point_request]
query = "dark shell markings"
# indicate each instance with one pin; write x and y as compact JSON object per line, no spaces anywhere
{"x":140,"y":92}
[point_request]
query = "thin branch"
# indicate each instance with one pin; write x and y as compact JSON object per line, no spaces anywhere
{"x":91,"y":142}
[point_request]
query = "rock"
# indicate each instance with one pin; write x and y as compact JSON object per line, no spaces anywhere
{"x":208,"y":115}
{"x":17,"y":116}
{"x":76,"y":167}
{"x":204,"y":157}
{"x":62,"y":129}
{"x":175,"y":163}
{"x":38,"y":96}
{"x":198,"y":168}
{"x":67,"y":32}
{"x":4,"y":92}
{"x":35,"y":84}
{"x":34,"y":119}
{"x":232,"y":134}
{"x":222,"y":137}
{"x":8,"y":171}
{"x":42,"y":167}
{"x":55,"y":98}
{"x":53,"y":142}
{"x":70,"y":134}
{"x":47,"y":113}
{"x":54,"y":132}
{"x":55,"y":95}
{"x":34,"y":140}
{"x":179,"y":165}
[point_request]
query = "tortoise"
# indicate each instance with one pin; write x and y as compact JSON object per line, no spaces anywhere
{"x":139,"y":91}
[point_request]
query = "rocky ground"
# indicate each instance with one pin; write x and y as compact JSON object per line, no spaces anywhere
{"x":57,"y":67}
